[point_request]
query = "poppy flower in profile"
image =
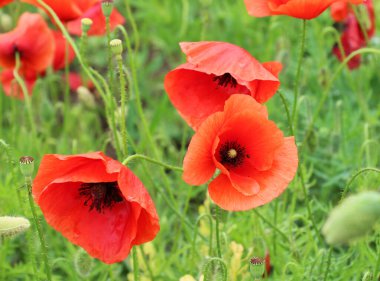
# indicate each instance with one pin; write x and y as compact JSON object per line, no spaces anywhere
{"x":34,"y":42}
{"x":98,"y":26}
{"x":214,"y":71}
{"x":96,"y":203}
{"x":66,"y":10}
{"x":353,"y":37}
{"x":5,"y":2}
{"x":12,"y":88}
{"x":59,"y":61}
{"x":255,"y":160}
{"x":301,"y":9}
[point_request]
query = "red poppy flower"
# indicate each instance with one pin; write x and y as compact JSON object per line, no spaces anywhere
{"x":256,"y":162}
{"x":12,"y":88}
{"x":5,"y":2}
{"x":33,"y":40}
{"x":75,"y":81}
{"x":59,"y":61}
{"x":66,"y":10}
{"x":96,"y":203}
{"x":214,"y":71}
{"x":98,"y":26}
{"x":339,"y":11}
{"x":303,"y":9}
{"x":353,"y":37}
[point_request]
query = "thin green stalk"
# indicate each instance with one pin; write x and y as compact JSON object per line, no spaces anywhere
{"x":124,"y":99}
{"x":298,"y":74}
{"x":28,"y":184}
{"x":377,"y":266}
{"x":196,"y":233}
{"x":136,"y":276}
{"x":111,"y":74}
{"x":132,"y":21}
{"x":328,"y":264}
{"x":24,"y":90}
{"x":287,"y":113}
{"x":66,"y":98}
{"x":219,"y":252}
{"x":140,"y":156}
{"x":350,"y":181}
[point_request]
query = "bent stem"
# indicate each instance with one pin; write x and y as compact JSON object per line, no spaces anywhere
{"x":369,"y":169}
{"x":28,"y":184}
{"x":151,"y":160}
{"x":298,"y":74}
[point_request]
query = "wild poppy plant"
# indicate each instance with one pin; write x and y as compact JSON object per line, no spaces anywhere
{"x":98,"y":26}
{"x":255,"y":160}
{"x":355,"y":34}
{"x":66,"y":10}
{"x":303,"y":9}
{"x":214,"y":71}
{"x":96,"y":203}
{"x":32,"y":40}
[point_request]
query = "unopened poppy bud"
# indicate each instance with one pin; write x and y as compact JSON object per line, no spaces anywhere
{"x":257,"y":267}
{"x":353,"y":218}
{"x":83,"y":263}
{"x":86,"y":97}
{"x":11,"y":226}
{"x":26,"y":165}
{"x":107,"y":7}
{"x":5,"y":22}
{"x":86,"y":24}
{"x":116,"y":48}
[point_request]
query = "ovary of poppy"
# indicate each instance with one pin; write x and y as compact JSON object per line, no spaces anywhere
{"x":96,"y":203}
{"x":98,"y":26}
{"x":303,"y":9}
{"x":59,"y":61}
{"x":214,"y":71}
{"x":11,"y":86}
{"x":5,"y":2}
{"x":256,"y":162}
{"x":353,"y":38}
{"x":34,"y":42}
{"x":66,"y":10}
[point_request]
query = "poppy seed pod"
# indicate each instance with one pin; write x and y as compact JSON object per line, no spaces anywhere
{"x":86,"y":24}
{"x":353,"y":218}
{"x":26,"y":165}
{"x":107,"y":6}
{"x":83,"y":263}
{"x":116,"y":48}
{"x":11,"y":226}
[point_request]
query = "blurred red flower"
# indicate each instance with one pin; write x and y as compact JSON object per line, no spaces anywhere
{"x":5,"y":2}
{"x":214,"y":71}
{"x":59,"y":61}
{"x":12,"y":88}
{"x":355,"y":34}
{"x":75,"y":81}
{"x":256,"y":162}
{"x":96,"y":203}
{"x":66,"y":10}
{"x":33,"y":40}
{"x":98,"y":26}
{"x":303,"y":9}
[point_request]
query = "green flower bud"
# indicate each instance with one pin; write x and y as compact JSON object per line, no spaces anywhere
{"x":107,"y":7}
{"x":27,"y":166}
{"x":353,"y":218}
{"x":83,"y":263}
{"x":5,"y":22}
{"x":116,"y":48}
{"x":11,"y":226}
{"x":86,"y":24}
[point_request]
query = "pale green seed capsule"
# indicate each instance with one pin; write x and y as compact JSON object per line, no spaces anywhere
{"x":107,"y":7}
{"x":86,"y":24}
{"x":83,"y":263}
{"x":11,"y":226}
{"x":257,"y":267}
{"x":116,"y":48}
{"x":26,"y":166}
{"x":353,"y":218}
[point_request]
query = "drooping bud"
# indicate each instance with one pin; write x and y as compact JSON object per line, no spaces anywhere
{"x":353,"y":218}
{"x":11,"y":226}
{"x":86,"y":25}
{"x":86,"y":97}
{"x":117,"y":48}
{"x":83,"y":263}
{"x":26,"y":165}
{"x":107,"y":7}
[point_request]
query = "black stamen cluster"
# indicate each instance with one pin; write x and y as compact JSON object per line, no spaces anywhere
{"x":100,"y":195}
{"x":225,"y":80}
{"x":225,"y":157}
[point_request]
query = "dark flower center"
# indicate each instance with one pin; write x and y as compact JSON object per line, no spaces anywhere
{"x":257,"y":261}
{"x":100,"y":195}
{"x":232,"y":154}
{"x":225,"y":80}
